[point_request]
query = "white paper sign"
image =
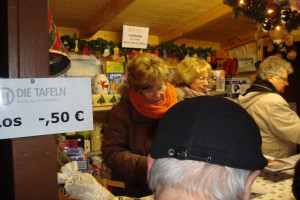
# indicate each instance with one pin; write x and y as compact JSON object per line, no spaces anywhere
{"x":41,"y":106}
{"x":135,"y":37}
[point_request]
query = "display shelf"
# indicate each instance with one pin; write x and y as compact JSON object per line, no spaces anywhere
{"x":103,"y":102}
{"x":102,"y":108}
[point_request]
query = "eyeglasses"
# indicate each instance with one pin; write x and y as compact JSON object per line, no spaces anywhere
{"x":160,"y":90}
{"x":203,"y":79}
{"x":286,"y":80}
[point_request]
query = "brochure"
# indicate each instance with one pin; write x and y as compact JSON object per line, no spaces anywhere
{"x":281,"y":164}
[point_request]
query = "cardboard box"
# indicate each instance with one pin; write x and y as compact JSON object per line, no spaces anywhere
{"x":115,"y":79}
{"x":236,"y":86}
{"x":219,"y":77}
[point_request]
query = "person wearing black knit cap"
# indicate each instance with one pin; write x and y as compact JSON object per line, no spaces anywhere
{"x":205,"y":148}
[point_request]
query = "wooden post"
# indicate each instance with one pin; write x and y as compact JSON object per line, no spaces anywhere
{"x":28,"y":165}
{"x":260,"y":49}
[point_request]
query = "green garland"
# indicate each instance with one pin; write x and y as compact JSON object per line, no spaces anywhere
{"x":257,"y":10}
{"x":171,"y":49}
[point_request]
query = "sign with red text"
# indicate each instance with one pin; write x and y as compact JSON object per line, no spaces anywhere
{"x":135,"y":37}
{"x":41,"y":106}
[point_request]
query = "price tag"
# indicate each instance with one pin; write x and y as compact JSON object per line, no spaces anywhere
{"x":42,"y":106}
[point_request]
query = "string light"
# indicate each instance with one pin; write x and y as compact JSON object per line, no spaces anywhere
{"x":278,"y":27}
{"x":270,"y":11}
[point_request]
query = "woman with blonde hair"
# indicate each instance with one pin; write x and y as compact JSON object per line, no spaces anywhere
{"x":192,"y":78}
{"x":133,"y":121}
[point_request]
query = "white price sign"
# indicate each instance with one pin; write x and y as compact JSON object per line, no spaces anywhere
{"x":41,"y":106}
{"x":135,"y":37}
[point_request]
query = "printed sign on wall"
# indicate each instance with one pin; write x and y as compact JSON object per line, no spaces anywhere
{"x":135,"y":37}
{"x":41,"y":106}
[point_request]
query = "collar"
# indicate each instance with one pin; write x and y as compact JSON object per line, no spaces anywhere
{"x":260,"y":85}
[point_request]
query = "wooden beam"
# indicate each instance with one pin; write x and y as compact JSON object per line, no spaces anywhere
{"x":3,"y":41}
{"x":260,"y":49}
{"x":197,"y":22}
{"x":103,"y":16}
{"x":244,"y":39}
{"x":34,"y":164}
{"x":28,"y":165}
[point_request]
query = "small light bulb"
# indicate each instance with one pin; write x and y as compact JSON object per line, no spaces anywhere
{"x":270,"y":11}
{"x":241,"y":2}
{"x":278,"y":27}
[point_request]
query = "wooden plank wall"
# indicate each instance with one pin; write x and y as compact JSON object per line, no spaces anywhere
{"x":28,"y":165}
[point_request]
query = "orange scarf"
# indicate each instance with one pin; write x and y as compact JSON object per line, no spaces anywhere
{"x":149,"y":110}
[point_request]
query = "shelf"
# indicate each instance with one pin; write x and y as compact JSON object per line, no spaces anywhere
{"x":102,"y":102}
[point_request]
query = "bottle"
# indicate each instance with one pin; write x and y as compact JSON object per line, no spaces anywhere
{"x":87,"y":142}
{"x":95,"y":137}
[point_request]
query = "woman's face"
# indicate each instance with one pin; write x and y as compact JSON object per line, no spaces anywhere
{"x":279,"y":81}
{"x":200,"y":83}
{"x":155,"y":95}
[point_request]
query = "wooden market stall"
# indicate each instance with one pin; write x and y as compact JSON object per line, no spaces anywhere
{"x":28,"y":164}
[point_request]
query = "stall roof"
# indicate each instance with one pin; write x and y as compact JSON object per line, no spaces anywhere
{"x":204,"y":20}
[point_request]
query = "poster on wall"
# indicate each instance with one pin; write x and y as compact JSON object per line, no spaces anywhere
{"x":135,"y":37}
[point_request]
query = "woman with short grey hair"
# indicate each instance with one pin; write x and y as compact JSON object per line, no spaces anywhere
{"x":273,"y":65}
{"x":279,"y":125}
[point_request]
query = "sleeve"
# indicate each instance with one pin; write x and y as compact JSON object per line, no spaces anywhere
{"x":115,"y":150}
{"x":283,"y":121}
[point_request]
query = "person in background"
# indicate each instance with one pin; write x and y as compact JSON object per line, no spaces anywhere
{"x":296,"y":181}
{"x":192,"y":78}
{"x":205,"y":148}
{"x":279,"y":125}
{"x":132,"y":122}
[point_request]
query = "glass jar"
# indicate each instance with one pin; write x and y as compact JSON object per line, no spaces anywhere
{"x":96,"y":137}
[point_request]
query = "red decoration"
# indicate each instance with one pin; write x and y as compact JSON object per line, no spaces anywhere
{"x":133,"y":54}
{"x":58,"y":54}
{"x":85,"y":49}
